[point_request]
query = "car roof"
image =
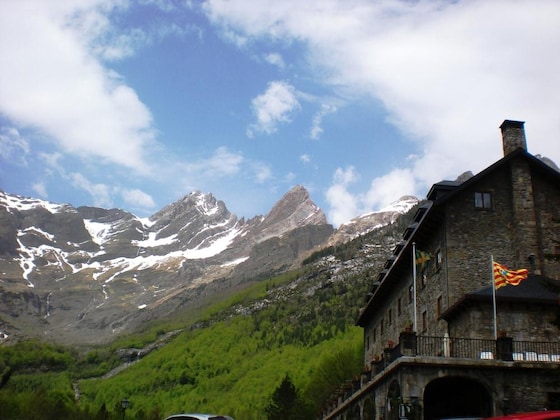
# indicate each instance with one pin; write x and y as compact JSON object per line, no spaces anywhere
{"x":533,"y":415}
{"x":187,"y":416}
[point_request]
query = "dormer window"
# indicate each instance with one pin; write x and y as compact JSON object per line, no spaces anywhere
{"x":482,"y":200}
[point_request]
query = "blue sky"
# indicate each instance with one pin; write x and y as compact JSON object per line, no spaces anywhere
{"x":135,"y":104}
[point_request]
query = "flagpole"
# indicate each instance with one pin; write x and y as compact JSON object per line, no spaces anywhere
{"x":494,"y":297}
{"x":415,"y":329}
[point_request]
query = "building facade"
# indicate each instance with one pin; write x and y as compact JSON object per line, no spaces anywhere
{"x":439,"y":340}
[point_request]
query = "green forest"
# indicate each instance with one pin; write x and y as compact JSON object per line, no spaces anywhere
{"x":237,"y":356}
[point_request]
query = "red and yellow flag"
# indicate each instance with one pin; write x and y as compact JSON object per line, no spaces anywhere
{"x":503,"y":276}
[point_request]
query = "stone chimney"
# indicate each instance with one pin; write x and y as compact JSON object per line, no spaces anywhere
{"x":525,"y":252}
{"x":513,"y":136}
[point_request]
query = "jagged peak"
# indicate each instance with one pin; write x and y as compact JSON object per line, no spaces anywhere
{"x":548,"y":162}
{"x":367,"y":222}
{"x":297,"y":204}
{"x":204,"y":204}
{"x":465,"y":176}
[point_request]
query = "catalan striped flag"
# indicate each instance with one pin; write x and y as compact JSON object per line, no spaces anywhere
{"x":503,"y":276}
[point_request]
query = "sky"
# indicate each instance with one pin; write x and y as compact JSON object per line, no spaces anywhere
{"x":134,"y":104}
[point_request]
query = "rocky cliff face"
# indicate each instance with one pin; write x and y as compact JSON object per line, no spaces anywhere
{"x":83,"y":275}
{"x":374,"y":220}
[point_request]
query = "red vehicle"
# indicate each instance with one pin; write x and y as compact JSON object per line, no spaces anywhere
{"x":534,"y":415}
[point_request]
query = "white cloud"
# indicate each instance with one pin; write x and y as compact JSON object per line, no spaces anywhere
{"x":343,"y":204}
{"x":273,"y":107}
{"x":384,"y":190}
{"x":100,"y":193}
{"x":275,"y":59}
{"x":13,"y":146}
{"x":53,"y":163}
{"x":41,"y":189}
{"x":221,"y":163}
{"x":138,"y":198}
{"x":316,"y":129}
{"x":305,"y":158}
{"x":389,"y":188}
{"x":50,"y":80}
{"x":446,"y":72}
{"x":262,"y":171}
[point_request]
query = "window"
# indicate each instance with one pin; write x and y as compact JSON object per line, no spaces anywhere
{"x":438,"y":260}
{"x":374,"y":335}
{"x":424,"y":321}
{"x":439,"y":305}
{"x":399,"y":306}
{"x":482,"y":200}
{"x":553,"y":400}
{"x":390,"y":317}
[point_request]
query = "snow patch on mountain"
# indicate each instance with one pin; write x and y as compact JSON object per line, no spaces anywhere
{"x":40,"y":232}
{"x":77,"y":260}
{"x":19,"y":203}
{"x":153,"y":241}
{"x":205,"y":206}
{"x":373,"y":220}
{"x":234,"y":262}
{"x":99,"y":232}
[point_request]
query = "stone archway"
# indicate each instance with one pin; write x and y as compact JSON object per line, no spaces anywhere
{"x":355,"y":413}
{"x":368,"y":411}
{"x":393,"y":401}
{"x":456,"y":396}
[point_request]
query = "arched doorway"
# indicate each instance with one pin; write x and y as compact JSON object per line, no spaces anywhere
{"x":369,"y":408}
{"x":355,"y":415}
{"x":456,"y":397}
{"x":393,"y":401}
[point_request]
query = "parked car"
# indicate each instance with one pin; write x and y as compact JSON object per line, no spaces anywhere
{"x":198,"y":417}
{"x":533,"y":415}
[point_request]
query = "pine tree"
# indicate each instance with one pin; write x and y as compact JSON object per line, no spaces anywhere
{"x":286,"y":403}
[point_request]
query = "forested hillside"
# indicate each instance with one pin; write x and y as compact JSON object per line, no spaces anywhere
{"x":229,"y":358}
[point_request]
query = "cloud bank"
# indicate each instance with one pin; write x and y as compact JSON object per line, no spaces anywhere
{"x":446,"y":72}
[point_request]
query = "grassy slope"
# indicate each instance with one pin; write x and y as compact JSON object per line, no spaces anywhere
{"x":219,"y":369}
{"x":234,"y":364}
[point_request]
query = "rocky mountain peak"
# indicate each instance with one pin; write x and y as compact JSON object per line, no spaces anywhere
{"x":89,"y":273}
{"x":193,"y":205}
{"x":294,"y":209}
{"x":83,"y":275}
{"x":369,"y":221}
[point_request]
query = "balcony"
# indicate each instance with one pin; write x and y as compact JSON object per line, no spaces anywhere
{"x":504,"y":348}
{"x":503,"y":351}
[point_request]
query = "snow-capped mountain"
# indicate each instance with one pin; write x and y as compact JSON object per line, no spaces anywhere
{"x":81,"y":275}
{"x":89,"y":272}
{"x":370,"y":221}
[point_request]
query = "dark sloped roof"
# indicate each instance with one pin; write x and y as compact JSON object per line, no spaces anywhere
{"x":535,"y":289}
{"x":431,"y":214}
{"x":453,"y":187}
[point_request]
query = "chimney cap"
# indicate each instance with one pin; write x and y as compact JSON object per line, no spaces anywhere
{"x":513,"y":136}
{"x":512,"y":124}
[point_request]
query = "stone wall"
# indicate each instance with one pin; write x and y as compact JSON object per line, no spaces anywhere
{"x":547,"y":203}
{"x":509,"y":387}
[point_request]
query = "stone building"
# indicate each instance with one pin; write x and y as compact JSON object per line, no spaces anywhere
{"x":449,"y":344}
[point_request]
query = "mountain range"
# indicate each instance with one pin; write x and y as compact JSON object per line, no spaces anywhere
{"x":84,"y":275}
